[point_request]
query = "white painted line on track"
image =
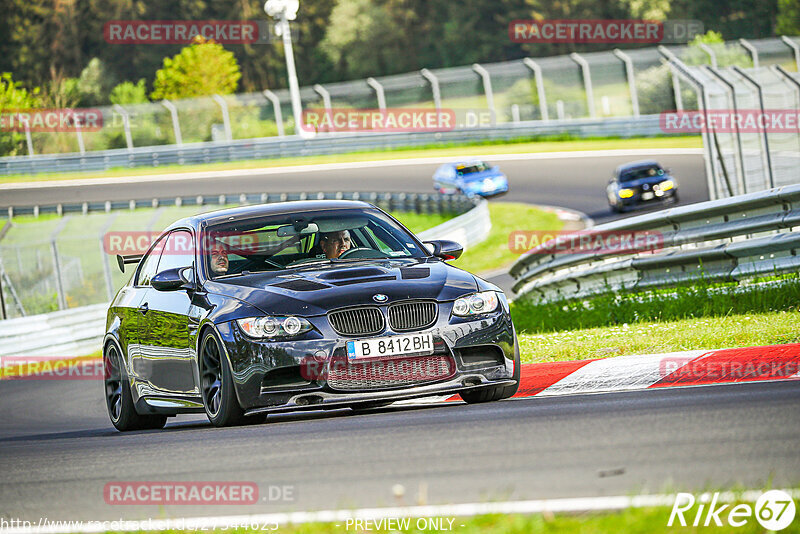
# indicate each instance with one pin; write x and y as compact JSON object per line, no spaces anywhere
{"x":209,"y":175}
{"x":568,"y":505}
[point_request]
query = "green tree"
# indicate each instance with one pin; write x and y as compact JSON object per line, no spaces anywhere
{"x":13,"y":96}
{"x":788,"y":20}
{"x":129,"y":93}
{"x":201,"y":69}
{"x":727,"y":55}
{"x":94,"y":83}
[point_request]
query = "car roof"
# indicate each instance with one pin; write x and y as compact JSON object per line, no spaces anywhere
{"x":638,"y":165}
{"x":275,"y":208}
{"x":466,"y":162}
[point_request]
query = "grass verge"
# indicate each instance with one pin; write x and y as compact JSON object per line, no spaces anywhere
{"x":653,"y":337}
{"x":519,"y":146}
{"x":494,"y":252}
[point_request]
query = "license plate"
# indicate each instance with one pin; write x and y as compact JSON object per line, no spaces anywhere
{"x":390,"y":346}
{"x":647,"y":196}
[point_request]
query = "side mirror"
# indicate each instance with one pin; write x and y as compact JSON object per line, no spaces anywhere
{"x":172,"y":279}
{"x":446,"y":250}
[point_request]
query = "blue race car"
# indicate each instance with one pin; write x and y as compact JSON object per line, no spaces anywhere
{"x":472,"y":177}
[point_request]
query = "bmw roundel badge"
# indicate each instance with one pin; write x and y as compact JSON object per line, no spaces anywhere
{"x":380,"y":298}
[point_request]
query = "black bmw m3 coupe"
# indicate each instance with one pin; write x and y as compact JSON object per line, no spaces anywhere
{"x":300,"y":306}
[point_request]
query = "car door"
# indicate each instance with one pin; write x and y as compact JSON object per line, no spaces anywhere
{"x":164,"y":327}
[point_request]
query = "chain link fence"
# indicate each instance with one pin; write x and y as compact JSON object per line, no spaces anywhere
{"x":609,"y":84}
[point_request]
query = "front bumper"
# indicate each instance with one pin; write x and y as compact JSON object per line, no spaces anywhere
{"x":270,"y":377}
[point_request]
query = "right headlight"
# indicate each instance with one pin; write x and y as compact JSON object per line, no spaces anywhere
{"x":273,"y":327}
{"x":476,"y":304}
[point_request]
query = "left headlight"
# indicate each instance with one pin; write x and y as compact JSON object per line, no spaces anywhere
{"x":274,"y":327}
{"x":476,"y":304}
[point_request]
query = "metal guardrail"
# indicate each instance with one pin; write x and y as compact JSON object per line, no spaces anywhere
{"x":338,"y":143}
{"x":730,"y":239}
{"x":79,"y":331}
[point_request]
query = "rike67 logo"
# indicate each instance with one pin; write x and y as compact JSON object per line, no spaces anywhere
{"x":774,"y":510}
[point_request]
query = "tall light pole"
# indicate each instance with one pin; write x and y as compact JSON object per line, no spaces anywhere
{"x":284,"y":11}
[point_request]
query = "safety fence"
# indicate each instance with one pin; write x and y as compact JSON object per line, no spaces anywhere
{"x":727,"y":240}
{"x":597,"y":86}
{"x":58,"y":260}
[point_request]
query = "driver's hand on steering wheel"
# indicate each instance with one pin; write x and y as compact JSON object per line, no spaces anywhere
{"x":334,"y":244}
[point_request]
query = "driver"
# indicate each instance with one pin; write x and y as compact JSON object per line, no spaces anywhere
{"x":335,"y":243}
{"x":219,"y":257}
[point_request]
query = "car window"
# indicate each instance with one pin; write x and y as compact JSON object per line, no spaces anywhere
{"x":149,"y":264}
{"x":643,"y":172}
{"x":472,"y":168}
{"x":178,"y":251}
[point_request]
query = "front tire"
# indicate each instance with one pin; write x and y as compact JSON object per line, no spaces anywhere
{"x":496,"y":393}
{"x":119,"y":398}
{"x":219,"y":397}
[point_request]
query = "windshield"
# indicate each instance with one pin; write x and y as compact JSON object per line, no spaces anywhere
{"x":472,"y":168}
{"x":641,"y":172}
{"x":287,"y":241}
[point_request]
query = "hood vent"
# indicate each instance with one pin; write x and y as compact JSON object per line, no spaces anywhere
{"x":364,"y":280}
{"x":344,"y":274}
{"x":299,"y":284}
{"x":415,"y":273}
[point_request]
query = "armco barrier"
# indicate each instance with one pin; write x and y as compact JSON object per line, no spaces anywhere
{"x":730,"y":239}
{"x":282,"y":147}
{"x":79,"y":331}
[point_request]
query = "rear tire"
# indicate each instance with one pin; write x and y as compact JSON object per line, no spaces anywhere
{"x":219,"y":397}
{"x":496,"y":393}
{"x":119,"y":398}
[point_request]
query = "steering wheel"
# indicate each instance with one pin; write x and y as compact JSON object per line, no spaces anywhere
{"x":350,"y":252}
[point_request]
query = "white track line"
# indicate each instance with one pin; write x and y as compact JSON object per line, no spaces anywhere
{"x":345,"y":166}
{"x":571,"y":505}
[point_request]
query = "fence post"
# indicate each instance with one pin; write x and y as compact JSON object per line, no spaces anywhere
{"x":376,"y":85}
{"x":765,"y":153}
{"x":78,"y":132}
{"x":176,"y":125}
{"x":437,"y":93}
{"x":3,"y":313}
{"x":326,"y":97}
{"x":752,"y":50}
{"x":711,"y":54}
{"x":28,"y":139}
{"x":276,"y":106}
{"x":126,"y":124}
{"x":626,"y":59}
{"x":676,"y":84}
{"x":105,"y":257}
{"x":794,"y":46}
{"x":487,"y":88}
{"x":587,"y":81}
{"x":62,"y":300}
{"x":537,"y":75}
{"x":226,"y":119}
{"x":739,"y":157}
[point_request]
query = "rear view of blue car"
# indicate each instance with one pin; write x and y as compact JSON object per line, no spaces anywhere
{"x":471,"y":178}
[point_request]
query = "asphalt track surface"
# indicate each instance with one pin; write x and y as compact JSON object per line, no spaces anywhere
{"x":572,"y":182}
{"x":59,"y":450}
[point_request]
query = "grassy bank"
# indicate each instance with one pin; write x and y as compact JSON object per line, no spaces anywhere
{"x":652,"y":337}
{"x":506,"y":217}
{"x":440,"y":150}
{"x":699,"y":300}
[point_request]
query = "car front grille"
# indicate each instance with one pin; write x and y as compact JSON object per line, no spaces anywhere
{"x":389,"y":373}
{"x":407,"y":316}
{"x":357,"y":321}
